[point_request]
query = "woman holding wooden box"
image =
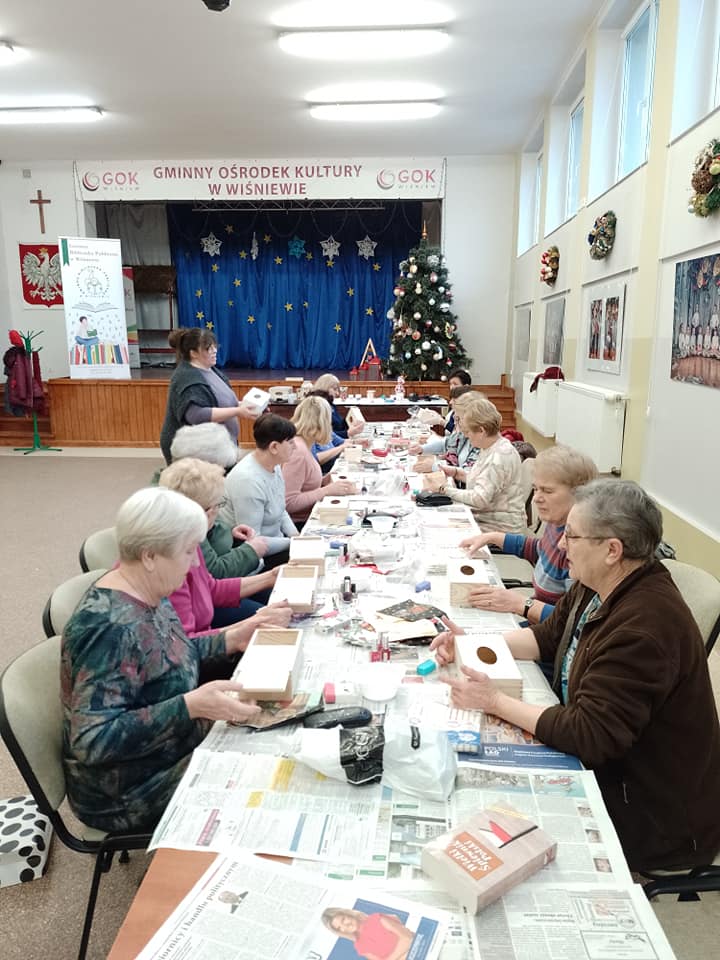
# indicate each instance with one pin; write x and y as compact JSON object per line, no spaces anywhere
{"x":133,"y":710}
{"x":636,"y":702}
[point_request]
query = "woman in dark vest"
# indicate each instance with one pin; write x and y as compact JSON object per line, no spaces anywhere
{"x":199,"y":392}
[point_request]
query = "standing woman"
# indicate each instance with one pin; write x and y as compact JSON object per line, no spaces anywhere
{"x":199,"y":392}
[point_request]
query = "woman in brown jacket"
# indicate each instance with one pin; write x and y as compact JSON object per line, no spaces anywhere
{"x":636,"y":702}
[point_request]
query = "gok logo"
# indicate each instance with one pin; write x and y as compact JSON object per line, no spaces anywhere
{"x":119,"y":178}
{"x":386,"y":179}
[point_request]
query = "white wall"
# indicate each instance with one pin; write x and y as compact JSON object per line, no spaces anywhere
{"x":478,"y":228}
{"x":20,"y":223}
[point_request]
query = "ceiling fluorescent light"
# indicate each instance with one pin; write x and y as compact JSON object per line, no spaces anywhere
{"x":37,"y":115}
{"x":369,"y":13}
{"x":375,"y":112}
{"x":390,"y":44}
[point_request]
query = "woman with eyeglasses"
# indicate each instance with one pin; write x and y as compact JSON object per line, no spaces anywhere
{"x":203,"y":603}
{"x":199,"y":392}
{"x":636,"y":703}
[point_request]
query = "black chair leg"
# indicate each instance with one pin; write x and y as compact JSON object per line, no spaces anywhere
{"x":103,"y":862}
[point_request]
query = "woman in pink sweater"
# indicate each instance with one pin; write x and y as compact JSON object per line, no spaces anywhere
{"x":304,"y":481}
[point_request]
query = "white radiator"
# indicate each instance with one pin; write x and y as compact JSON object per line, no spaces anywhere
{"x":592,"y":420}
{"x":539,"y":406}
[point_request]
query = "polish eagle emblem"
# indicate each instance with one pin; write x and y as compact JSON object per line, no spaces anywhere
{"x":41,"y":273}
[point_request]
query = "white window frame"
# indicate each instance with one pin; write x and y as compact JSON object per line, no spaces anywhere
{"x":652,"y":6}
{"x":538,"y":197}
{"x":573,"y":150}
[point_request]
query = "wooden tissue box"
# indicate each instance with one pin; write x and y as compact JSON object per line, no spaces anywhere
{"x":308,"y":551}
{"x":271,"y":667}
{"x":490,"y":654}
{"x":333,"y":510}
{"x":486,"y":856}
{"x":435,"y":481}
{"x":353,"y":453}
{"x":463,"y":575}
{"x":354,"y":415}
{"x":297,"y":585}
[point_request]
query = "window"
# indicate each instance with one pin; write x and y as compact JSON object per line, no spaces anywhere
{"x":537,"y":198}
{"x":572,"y":200}
{"x":696,"y":88}
{"x":638,"y":69}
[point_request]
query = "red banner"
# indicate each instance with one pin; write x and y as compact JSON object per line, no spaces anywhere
{"x":40,"y":274}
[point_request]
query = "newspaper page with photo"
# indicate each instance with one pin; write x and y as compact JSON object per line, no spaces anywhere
{"x":567,"y":805}
{"x":245,"y":909}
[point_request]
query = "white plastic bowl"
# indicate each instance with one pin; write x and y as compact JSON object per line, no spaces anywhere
{"x":382,"y":524}
{"x":380,"y":681}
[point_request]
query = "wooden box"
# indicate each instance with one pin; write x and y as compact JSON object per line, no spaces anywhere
{"x":489,"y":653}
{"x":271,"y":666}
{"x":353,"y":454}
{"x":297,"y":585}
{"x":463,"y":575}
{"x":486,"y":856}
{"x":354,"y":415}
{"x":308,"y":551}
{"x":334,"y":510}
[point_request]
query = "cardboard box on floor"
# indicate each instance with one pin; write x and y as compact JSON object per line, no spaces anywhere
{"x":25,"y":836}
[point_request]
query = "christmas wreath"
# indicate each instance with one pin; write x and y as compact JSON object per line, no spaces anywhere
{"x":602,"y":236}
{"x":705,"y":181}
{"x":549,"y":264}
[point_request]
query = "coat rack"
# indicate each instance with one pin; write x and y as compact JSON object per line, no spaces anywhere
{"x":27,"y":339}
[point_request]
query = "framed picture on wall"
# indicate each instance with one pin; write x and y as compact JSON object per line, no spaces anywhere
{"x":553,"y":340}
{"x":696,"y":322}
{"x":604,"y":328}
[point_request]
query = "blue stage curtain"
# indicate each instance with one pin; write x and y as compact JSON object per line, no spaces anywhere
{"x":291,"y":306}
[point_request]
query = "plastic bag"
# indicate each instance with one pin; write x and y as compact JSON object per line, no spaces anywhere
{"x":353,"y":756}
{"x":418,"y":760}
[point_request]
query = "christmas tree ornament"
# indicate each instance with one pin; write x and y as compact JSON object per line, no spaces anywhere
{"x":444,"y":307}
{"x":392,"y":348}
{"x":390,"y":314}
{"x":407,"y":354}
{"x":426,"y":344}
{"x":431,"y":302}
{"x":403,"y":266}
{"x":366,"y":247}
{"x":401,"y":293}
{"x":296,"y":247}
{"x":441,"y":289}
{"x":436,"y":329}
{"x":417,"y":350}
{"x":433,"y":260}
{"x":330,"y":248}
{"x":416,"y":334}
{"x":254,"y":247}
{"x":428,"y":323}
{"x":423,"y":367}
{"x":211,"y":245}
{"x":413,"y":268}
{"x":418,"y":288}
{"x":411,"y":259}
{"x":438,"y":355}
{"x":433,"y":278}
{"x":397,"y":291}
{"x":443,"y":378}
{"x":416,"y":315}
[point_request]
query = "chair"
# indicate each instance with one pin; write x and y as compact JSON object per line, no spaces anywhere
{"x":701,"y":592}
{"x":31,"y":724}
{"x":63,"y":600}
{"x":100,"y":549}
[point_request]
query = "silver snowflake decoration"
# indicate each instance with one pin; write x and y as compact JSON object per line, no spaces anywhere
{"x":211,"y":245}
{"x":296,"y":247}
{"x":366,"y":247}
{"x":254,"y":247}
{"x":330,"y":247}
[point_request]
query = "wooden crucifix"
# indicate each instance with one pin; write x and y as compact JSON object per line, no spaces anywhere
{"x":40,"y":203}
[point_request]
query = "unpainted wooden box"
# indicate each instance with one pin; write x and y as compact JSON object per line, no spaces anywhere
{"x":308,"y":552}
{"x":297,"y":585}
{"x":463,"y":576}
{"x":271,"y":666}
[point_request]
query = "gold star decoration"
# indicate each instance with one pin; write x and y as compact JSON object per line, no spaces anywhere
{"x":229,"y":228}
{"x":231,"y":303}
{"x":376,"y":267}
{"x":251,"y":319}
{"x":337,"y":328}
{"x":308,"y":255}
{"x":329,"y":263}
{"x":209,"y":324}
{"x":236,"y":282}
{"x":369,"y":311}
{"x":306,"y":304}
{"x":200,"y":315}
{"x":278,"y":260}
{"x":267,"y":238}
{"x":215,"y":267}
{"x":198,"y":293}
{"x":350,"y":292}
{"x":243,"y":254}
{"x":288,"y":307}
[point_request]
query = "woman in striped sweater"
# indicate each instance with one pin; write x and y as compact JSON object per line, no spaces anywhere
{"x":558,"y":471}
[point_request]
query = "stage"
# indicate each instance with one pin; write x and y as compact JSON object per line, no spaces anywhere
{"x":130,"y":413}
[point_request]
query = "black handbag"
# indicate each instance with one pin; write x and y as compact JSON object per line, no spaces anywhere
{"x":428,"y":498}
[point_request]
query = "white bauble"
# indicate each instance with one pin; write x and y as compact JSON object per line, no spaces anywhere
{"x":417,"y":350}
{"x":392,"y":348}
{"x":390,"y":314}
{"x":426,"y":344}
{"x":431,"y":302}
{"x":401,"y":294}
{"x":444,"y":307}
{"x":413,"y":268}
{"x":407,"y":354}
{"x":436,"y":329}
{"x":416,"y":316}
{"x":418,"y":287}
{"x":423,"y":366}
{"x":441,"y":289}
{"x":443,"y":378}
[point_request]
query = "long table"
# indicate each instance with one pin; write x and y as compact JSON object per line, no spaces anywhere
{"x":568,"y":799}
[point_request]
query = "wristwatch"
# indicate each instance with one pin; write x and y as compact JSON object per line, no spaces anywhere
{"x":526,"y":609}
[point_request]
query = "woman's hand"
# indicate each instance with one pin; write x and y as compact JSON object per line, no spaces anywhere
{"x":248,"y":411}
{"x":443,"y":646}
{"x":243,"y":532}
{"x":415,"y":449}
{"x":259,"y":545}
{"x":258,"y":581}
{"x":219,"y":700}
{"x":274,"y":614}
{"x":496,"y":599}
{"x":473,"y":544}
{"x":340,"y":488}
{"x":473,"y":691}
{"x":355,"y":428}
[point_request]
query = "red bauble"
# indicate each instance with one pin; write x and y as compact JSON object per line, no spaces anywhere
{"x":416,"y":335}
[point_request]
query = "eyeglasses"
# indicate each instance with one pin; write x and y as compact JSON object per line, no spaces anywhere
{"x":577,"y":536}
{"x":217,"y":506}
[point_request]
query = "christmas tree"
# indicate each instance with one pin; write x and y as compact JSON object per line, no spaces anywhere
{"x":424,"y":344}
